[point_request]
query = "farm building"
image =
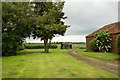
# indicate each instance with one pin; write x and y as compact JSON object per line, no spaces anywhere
{"x":66,"y":45}
{"x":114,"y":30}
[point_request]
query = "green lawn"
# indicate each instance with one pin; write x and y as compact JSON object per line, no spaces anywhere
{"x":26,"y":51}
{"x":57,"y":64}
{"x":100,"y":55}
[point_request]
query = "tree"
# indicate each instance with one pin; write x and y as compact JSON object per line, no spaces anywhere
{"x":103,"y":40}
{"x":16,"y":25}
{"x":50,"y":22}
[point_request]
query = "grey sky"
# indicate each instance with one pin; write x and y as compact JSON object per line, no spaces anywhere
{"x":86,"y":17}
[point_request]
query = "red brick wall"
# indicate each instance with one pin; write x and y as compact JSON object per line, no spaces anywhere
{"x":119,"y":27}
{"x":113,"y":42}
{"x":88,"y":39}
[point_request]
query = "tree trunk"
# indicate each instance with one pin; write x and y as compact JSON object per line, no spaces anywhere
{"x":46,"y":46}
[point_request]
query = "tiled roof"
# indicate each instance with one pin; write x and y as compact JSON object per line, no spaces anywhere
{"x":113,"y":28}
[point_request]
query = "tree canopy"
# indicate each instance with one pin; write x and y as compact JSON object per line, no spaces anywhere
{"x":22,"y":19}
{"x":49,"y":23}
{"x":16,"y":25}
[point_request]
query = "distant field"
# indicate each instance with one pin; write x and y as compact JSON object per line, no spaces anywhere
{"x":74,"y":46}
{"x":79,"y":46}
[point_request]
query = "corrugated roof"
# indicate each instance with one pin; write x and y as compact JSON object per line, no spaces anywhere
{"x":113,"y":28}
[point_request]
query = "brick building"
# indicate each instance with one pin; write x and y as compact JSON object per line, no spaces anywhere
{"x":114,"y":30}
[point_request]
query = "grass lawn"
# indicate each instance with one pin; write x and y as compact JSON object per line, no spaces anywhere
{"x":100,"y":55}
{"x":57,"y":64}
{"x":26,"y":51}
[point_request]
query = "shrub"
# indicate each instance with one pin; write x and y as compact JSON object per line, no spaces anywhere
{"x":93,"y":45}
{"x":118,"y":43}
{"x":9,"y":44}
{"x":39,"y":46}
{"x":103,"y":39}
{"x":9,"y":50}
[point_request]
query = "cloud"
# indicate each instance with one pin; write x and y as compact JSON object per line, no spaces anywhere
{"x":68,"y":38}
{"x":85,"y":17}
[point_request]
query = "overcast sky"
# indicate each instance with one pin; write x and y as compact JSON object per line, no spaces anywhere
{"x":86,"y":17}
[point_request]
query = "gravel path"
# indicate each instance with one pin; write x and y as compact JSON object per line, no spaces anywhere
{"x":110,"y":66}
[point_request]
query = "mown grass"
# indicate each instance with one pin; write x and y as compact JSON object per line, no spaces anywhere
{"x":55,"y":64}
{"x":100,"y":55}
{"x":25,"y":51}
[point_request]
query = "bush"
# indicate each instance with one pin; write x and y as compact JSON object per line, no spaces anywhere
{"x":39,"y":46}
{"x":21,"y":47}
{"x":103,"y":39}
{"x":93,"y":45}
{"x":118,"y":43}
{"x":9,"y":44}
{"x":9,"y":50}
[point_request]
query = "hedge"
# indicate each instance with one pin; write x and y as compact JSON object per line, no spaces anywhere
{"x":39,"y":47}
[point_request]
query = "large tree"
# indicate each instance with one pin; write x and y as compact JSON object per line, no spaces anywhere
{"x":16,"y":25}
{"x":49,"y":24}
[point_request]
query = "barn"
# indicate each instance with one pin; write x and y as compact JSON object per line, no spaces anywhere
{"x":114,"y":30}
{"x":66,"y":45}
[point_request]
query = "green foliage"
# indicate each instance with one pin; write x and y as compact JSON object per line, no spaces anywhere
{"x":53,"y":46}
{"x":118,"y":43}
{"x":21,"y":47}
{"x":39,"y":46}
{"x":93,"y":45}
{"x":34,"y":47}
{"x":49,"y":22}
{"x":9,"y":44}
{"x":16,"y":25}
{"x":103,"y":39}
